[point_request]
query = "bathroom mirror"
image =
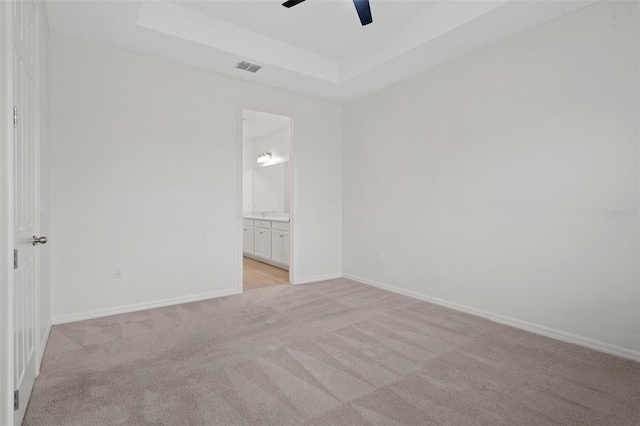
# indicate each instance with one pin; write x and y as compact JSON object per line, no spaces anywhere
{"x":270,"y":188}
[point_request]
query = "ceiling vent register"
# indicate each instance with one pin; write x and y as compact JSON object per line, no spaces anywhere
{"x":248,"y":66}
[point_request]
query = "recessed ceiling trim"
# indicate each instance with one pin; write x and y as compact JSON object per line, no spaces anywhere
{"x":432,"y":23}
{"x":196,"y":27}
{"x":113,"y":23}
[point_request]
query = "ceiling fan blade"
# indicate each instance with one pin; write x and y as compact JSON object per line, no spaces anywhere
{"x":291,"y":3}
{"x":364,"y":11}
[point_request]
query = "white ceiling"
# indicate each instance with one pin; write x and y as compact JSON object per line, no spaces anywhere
{"x":256,"y":123}
{"x":317,"y":48}
{"x":329,"y":28}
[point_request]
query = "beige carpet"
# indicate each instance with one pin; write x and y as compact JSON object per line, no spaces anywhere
{"x":331,"y":353}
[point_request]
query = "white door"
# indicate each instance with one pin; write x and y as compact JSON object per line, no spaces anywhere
{"x":263,"y":243}
{"x":25,"y":163}
{"x":247,"y":239}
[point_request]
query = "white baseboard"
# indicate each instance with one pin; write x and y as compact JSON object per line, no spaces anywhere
{"x":513,"y":322}
{"x":43,"y":346}
{"x":63,"y":319}
{"x":314,"y":278}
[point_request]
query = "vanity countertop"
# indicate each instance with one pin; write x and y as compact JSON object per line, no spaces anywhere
{"x":267,"y":217}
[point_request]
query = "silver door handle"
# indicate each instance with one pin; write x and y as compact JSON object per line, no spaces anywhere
{"x":41,"y":240}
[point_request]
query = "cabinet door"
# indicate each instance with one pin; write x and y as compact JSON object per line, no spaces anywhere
{"x":280,"y":247}
{"x":276,"y":246}
{"x":247,"y":239}
{"x":263,"y":243}
{"x":285,"y":248}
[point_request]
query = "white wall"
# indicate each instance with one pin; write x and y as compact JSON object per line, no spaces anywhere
{"x":485,"y":181}
{"x":247,"y":174}
{"x":145,"y":173}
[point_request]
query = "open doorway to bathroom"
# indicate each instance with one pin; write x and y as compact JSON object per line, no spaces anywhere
{"x":266,"y":199}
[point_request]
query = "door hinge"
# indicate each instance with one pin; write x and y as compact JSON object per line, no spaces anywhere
{"x":15,"y":258}
{"x":15,"y":116}
{"x":16,"y":400}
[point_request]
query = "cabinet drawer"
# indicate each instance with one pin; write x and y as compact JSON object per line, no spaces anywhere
{"x":263,"y":224}
{"x":281,"y":226}
{"x":247,"y":222}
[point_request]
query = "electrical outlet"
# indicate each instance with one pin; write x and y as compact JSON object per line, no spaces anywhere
{"x":118,"y":272}
{"x":380,"y":256}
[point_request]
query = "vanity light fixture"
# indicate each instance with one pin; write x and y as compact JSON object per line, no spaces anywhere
{"x":264,"y":156}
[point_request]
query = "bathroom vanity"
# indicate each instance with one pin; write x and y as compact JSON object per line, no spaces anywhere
{"x":267,"y":239}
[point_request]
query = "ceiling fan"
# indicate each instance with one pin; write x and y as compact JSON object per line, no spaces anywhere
{"x":362,"y":7}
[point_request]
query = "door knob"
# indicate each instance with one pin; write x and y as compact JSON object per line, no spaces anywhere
{"x":41,"y":240}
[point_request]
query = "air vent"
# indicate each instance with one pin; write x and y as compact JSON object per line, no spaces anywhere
{"x":247,"y":66}
{"x":242,"y":65}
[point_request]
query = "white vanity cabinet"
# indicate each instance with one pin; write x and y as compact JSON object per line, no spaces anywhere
{"x":263,"y":243}
{"x":280,"y":247}
{"x":247,"y":236}
{"x":267,"y":241}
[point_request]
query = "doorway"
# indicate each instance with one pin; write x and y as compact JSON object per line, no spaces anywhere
{"x":266,"y":199}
